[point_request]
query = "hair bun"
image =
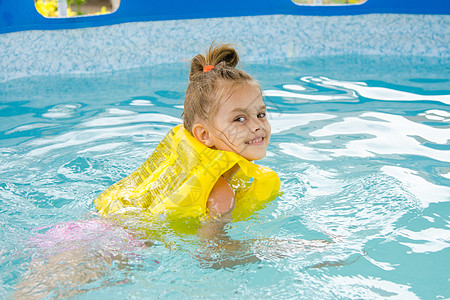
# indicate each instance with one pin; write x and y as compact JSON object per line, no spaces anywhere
{"x":222,"y":55}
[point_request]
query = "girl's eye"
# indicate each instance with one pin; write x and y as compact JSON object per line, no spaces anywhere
{"x":239,"y":119}
{"x":261,"y":115}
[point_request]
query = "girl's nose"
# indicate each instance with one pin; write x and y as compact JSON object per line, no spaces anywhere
{"x":257,"y":125}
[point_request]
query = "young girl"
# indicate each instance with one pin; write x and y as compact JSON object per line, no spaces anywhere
{"x":204,"y":167}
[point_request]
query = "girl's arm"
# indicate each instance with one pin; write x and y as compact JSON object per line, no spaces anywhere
{"x":219,"y":205}
{"x":221,"y":199}
{"x":214,"y":238}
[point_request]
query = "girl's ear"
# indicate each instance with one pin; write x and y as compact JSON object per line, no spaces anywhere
{"x":202,"y":134}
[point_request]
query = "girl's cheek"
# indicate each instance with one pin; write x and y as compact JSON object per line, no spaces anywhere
{"x":268,"y":127}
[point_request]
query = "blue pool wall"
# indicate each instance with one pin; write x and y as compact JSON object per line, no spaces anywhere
{"x":17,"y":15}
{"x":144,"y":33}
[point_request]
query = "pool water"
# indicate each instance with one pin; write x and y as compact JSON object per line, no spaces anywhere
{"x":361,"y":144}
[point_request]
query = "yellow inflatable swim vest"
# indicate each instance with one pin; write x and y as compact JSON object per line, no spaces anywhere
{"x":178,"y":177}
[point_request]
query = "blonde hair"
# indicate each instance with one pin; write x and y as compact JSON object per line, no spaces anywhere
{"x":205,"y":89}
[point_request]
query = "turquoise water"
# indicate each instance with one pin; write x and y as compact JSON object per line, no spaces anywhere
{"x":361,"y":145}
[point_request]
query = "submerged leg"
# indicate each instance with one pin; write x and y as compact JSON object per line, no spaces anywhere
{"x":76,"y":257}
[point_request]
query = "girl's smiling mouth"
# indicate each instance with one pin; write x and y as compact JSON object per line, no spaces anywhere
{"x":258,"y":141}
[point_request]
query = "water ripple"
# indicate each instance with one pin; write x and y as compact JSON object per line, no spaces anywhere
{"x":392,"y":134}
{"x":354,"y":90}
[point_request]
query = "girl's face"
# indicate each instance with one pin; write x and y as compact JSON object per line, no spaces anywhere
{"x":241,"y":125}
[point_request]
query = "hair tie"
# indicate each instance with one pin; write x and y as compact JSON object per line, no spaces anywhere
{"x":207,"y":68}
